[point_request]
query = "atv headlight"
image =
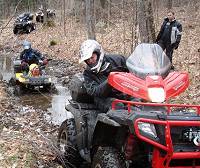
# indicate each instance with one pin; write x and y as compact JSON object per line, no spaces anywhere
{"x":156,"y":95}
{"x":147,"y":128}
{"x":47,"y":80}
{"x":26,"y":80}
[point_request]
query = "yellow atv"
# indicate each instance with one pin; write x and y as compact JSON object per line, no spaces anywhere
{"x":34,"y":79}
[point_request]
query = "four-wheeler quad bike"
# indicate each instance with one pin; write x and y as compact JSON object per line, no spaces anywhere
{"x":24,"y":23}
{"x":146,"y":133}
{"x":40,"y":15}
{"x":36,"y":78}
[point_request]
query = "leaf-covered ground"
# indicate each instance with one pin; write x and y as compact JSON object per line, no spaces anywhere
{"x":25,"y":139}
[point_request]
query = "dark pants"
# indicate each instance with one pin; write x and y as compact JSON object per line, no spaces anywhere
{"x":103,"y":104}
{"x":169,"y":49}
{"x":25,"y":67}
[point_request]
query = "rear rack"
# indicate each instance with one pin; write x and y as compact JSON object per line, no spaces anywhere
{"x":157,"y":160}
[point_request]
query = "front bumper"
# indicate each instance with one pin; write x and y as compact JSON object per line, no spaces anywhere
{"x":172,"y":140}
{"x":37,"y":81}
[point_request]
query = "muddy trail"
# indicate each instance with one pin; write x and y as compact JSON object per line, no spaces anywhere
{"x":29,"y":123}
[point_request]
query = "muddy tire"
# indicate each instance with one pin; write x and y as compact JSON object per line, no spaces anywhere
{"x":12,"y":82}
{"x":15,"y":30}
{"x":108,"y":157}
{"x":37,"y":19}
{"x":50,"y":88}
{"x":18,"y":90}
{"x":28,"y":29}
{"x":33,"y":26}
{"x":53,"y":89}
{"x":1,"y":76}
{"x":67,"y":144}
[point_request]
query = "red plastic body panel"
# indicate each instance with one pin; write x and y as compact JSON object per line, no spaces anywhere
{"x":174,"y":84}
{"x":128,"y":83}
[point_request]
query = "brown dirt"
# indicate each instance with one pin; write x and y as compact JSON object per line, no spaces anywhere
{"x":25,"y":140}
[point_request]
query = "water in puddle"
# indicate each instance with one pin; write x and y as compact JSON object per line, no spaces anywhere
{"x":58,"y":103}
{"x":6,"y":67}
{"x":54,"y":105}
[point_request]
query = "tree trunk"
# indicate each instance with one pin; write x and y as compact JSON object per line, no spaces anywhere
{"x":169,"y":4}
{"x":90,"y":19}
{"x":64,"y":13}
{"x":45,"y":6}
{"x":77,"y":9}
{"x":109,"y":12}
{"x":103,"y":2}
{"x":146,"y":21}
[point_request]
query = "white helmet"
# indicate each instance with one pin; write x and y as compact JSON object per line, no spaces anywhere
{"x":26,"y":45}
{"x":88,"y":47}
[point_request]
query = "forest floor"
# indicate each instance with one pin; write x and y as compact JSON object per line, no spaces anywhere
{"x":26,"y":140}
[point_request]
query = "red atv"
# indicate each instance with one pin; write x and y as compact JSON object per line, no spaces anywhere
{"x":145,"y":133}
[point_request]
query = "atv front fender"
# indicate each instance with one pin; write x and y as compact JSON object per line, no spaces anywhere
{"x":102,"y":117}
{"x":107,"y":132}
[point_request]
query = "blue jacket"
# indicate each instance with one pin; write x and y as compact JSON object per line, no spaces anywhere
{"x":31,"y":56}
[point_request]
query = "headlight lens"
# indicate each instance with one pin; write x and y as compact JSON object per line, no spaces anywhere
{"x":156,"y":95}
{"x":47,"y":80}
{"x":26,"y":80}
{"x":147,"y":128}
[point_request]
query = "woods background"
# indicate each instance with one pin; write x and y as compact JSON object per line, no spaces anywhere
{"x":119,"y":25}
{"x":26,"y":138}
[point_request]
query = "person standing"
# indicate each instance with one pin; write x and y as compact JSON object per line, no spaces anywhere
{"x":169,"y":36}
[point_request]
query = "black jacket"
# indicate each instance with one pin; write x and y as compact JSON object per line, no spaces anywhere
{"x":96,"y":84}
{"x":165,"y":33}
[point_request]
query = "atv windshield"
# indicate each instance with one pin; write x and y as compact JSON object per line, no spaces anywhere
{"x":148,"y":59}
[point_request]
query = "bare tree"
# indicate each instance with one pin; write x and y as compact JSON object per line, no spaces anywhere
{"x":90,"y":19}
{"x":18,"y":3}
{"x":146,"y":21}
{"x":169,"y":4}
{"x":77,"y":9}
{"x":103,"y":2}
{"x":64,"y":13}
{"x":45,"y":6}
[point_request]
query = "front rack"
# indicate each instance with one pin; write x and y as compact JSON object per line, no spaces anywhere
{"x":169,"y":106}
{"x":157,"y":160}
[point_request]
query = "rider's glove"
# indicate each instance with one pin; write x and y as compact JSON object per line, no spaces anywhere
{"x":175,"y":45}
{"x":23,"y":63}
{"x":45,"y":62}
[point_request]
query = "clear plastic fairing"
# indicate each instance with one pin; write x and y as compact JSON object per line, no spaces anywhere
{"x":148,"y":59}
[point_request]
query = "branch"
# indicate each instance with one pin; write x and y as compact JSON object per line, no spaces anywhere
{"x":11,"y":17}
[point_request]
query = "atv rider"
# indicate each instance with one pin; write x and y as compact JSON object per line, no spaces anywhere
{"x":30,"y":56}
{"x":99,"y":65}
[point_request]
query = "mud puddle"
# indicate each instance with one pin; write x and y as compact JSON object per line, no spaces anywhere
{"x":57,"y":113}
{"x":5,"y":67}
{"x":53,"y":105}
